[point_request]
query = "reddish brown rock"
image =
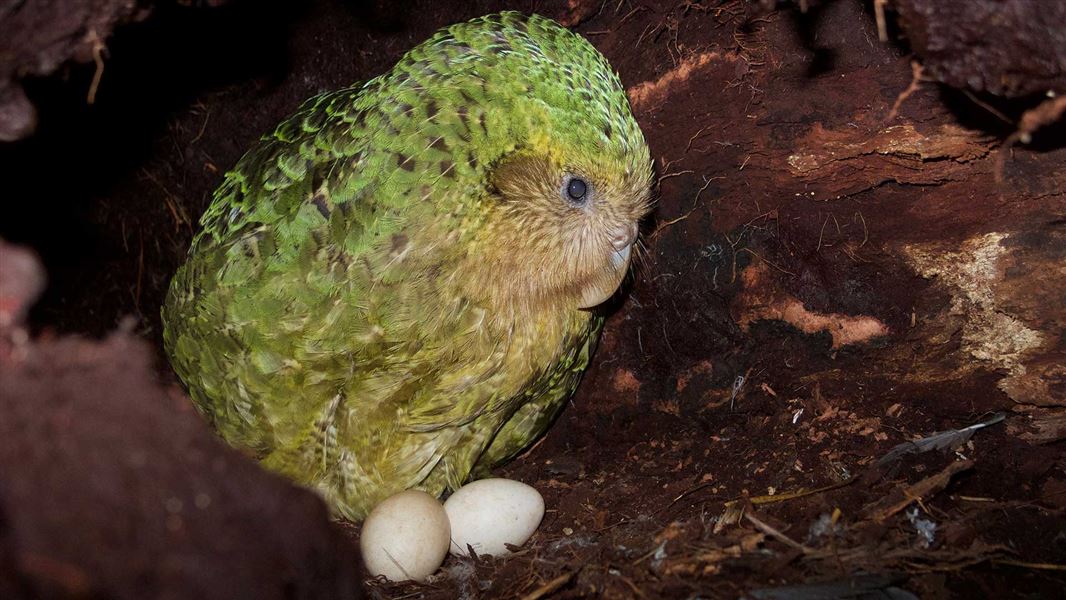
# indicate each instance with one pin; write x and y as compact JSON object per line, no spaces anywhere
{"x":113,"y":487}
{"x":1006,"y":47}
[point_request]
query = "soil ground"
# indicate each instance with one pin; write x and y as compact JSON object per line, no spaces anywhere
{"x":785,"y":329}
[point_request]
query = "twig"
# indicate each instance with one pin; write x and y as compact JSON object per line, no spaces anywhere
{"x":753,"y":253}
{"x":879,"y":14}
{"x":689,"y":492}
{"x":879,"y":511}
{"x":645,"y":32}
{"x":865,"y":230}
{"x":631,"y":13}
{"x":1046,"y":113}
{"x":706,"y":182}
{"x":203,"y":128}
{"x":632,"y":586}
{"x":991,"y":109}
{"x":551,"y":587}
{"x":688,"y":146}
{"x":695,"y":201}
{"x":671,"y":222}
{"x":916,"y":80}
{"x":770,"y":531}
{"x":669,"y":175}
{"x":1030,"y":565}
{"x":821,"y":232}
{"x":650,"y":554}
{"x":760,"y":500}
{"x":176,"y":211}
{"x":98,"y":58}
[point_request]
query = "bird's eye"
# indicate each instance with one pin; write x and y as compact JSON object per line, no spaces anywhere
{"x":577,"y":190}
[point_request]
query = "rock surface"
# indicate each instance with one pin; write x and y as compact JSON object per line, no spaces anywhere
{"x":112,"y":487}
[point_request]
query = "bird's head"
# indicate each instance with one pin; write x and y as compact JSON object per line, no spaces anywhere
{"x":563,"y":221}
{"x":563,"y":169}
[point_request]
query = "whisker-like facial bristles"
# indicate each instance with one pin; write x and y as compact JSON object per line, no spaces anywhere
{"x":639,"y":263}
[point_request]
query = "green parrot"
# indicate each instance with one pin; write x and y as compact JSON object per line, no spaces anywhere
{"x":392,"y":289}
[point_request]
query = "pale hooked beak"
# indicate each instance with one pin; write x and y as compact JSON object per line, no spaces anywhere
{"x":622,"y":241}
{"x":623,"y":237}
{"x":619,"y":258}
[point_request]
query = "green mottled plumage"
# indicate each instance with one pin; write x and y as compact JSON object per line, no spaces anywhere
{"x":386,"y":290}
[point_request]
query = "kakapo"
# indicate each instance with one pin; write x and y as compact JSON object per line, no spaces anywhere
{"x":391,"y":290}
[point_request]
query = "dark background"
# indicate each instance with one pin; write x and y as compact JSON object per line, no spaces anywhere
{"x":789,"y":179}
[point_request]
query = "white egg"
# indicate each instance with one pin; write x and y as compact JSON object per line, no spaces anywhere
{"x":405,"y":537}
{"x":490,"y":513}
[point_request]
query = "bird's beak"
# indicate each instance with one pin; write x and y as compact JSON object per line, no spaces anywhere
{"x":598,"y":291}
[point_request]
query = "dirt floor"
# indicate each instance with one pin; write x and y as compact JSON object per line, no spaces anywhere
{"x":847,"y":256}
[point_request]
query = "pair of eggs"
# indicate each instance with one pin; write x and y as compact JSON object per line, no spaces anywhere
{"x":408,"y":535}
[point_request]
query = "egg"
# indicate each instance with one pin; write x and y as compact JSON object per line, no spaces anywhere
{"x":405,"y":537}
{"x":490,"y":513}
